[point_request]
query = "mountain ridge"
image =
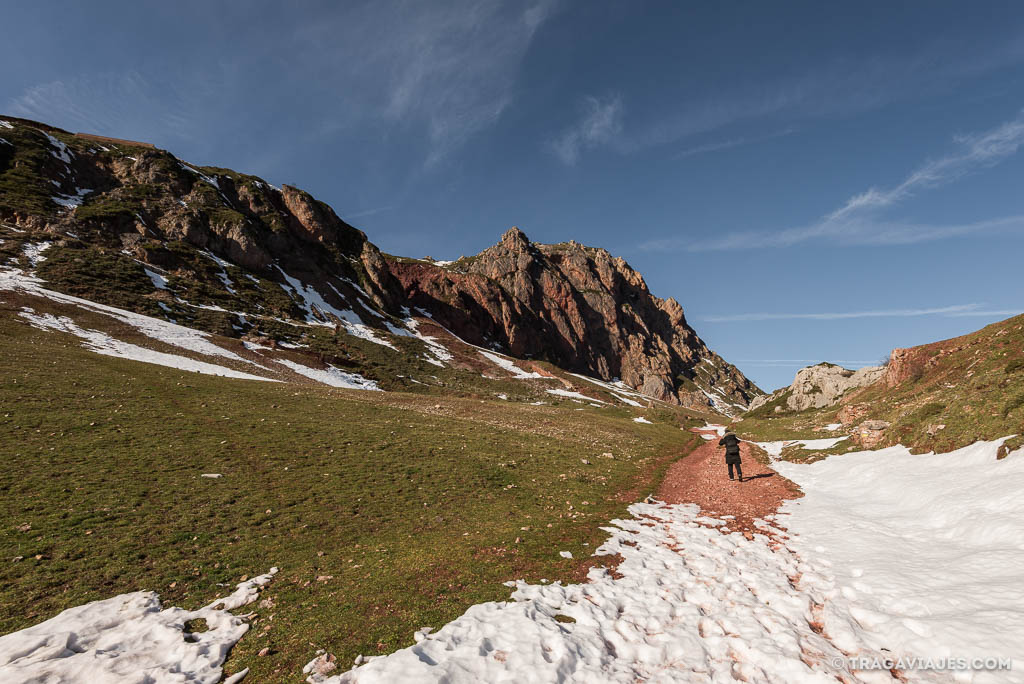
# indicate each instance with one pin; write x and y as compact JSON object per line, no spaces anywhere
{"x":229,"y":253}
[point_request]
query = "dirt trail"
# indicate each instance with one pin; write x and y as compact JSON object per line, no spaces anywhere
{"x":702,"y":478}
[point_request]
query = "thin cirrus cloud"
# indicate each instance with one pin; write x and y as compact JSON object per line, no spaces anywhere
{"x":731,"y":143}
{"x":123,"y":104}
{"x":855,"y":222}
{"x":954,"y":310}
{"x":599,"y":123}
{"x":439,"y":73}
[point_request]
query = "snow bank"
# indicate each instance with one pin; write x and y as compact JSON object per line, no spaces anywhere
{"x":33,"y":251}
{"x":774,"y":449}
{"x":693,"y":604}
{"x":926,"y":552}
{"x":163,"y":331}
{"x":159,"y":281}
{"x":332,"y":376}
{"x":104,"y":344}
{"x":129,"y":638}
{"x":437,"y":354}
{"x":572,"y":395}
{"x":512,"y":368}
{"x":618,"y":389}
{"x":318,"y":309}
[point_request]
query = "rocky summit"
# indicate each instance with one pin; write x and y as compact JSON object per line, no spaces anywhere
{"x":129,"y":225}
{"x":580,"y":308}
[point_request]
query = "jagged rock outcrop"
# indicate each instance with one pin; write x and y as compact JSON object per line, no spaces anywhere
{"x":821,"y":385}
{"x":579,"y":308}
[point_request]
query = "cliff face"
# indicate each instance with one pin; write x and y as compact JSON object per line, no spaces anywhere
{"x":122,"y":220}
{"x":579,"y":308}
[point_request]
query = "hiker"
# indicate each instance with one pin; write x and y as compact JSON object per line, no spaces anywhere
{"x":732,"y":454}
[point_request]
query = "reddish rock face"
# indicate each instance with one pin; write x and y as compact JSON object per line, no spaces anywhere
{"x":851,"y":413}
{"x":579,"y":308}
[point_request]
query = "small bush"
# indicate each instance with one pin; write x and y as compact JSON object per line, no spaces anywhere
{"x":1014,"y":366}
{"x":931,"y":409}
{"x":1013,"y":403}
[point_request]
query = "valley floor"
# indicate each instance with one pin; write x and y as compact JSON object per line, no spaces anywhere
{"x":892,"y":566}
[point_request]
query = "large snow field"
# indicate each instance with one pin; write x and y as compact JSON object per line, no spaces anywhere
{"x":926,"y":552}
{"x":888,"y":555}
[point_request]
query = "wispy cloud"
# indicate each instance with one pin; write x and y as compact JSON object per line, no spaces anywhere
{"x":731,"y":143}
{"x":427,"y":75}
{"x":954,"y":310}
{"x":976,"y":152}
{"x":447,"y":69}
{"x":123,"y":104}
{"x":857,"y":221}
{"x":600,"y":122}
{"x":368,"y":212}
{"x":840,"y":87}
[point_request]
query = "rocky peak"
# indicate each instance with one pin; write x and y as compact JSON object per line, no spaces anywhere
{"x":515,"y":240}
{"x":579,"y":308}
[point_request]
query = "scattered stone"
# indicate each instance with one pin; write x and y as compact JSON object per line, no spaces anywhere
{"x":265,"y":651}
{"x":24,"y":527}
{"x":212,"y":476}
{"x":871,"y":433}
{"x":321,"y":666}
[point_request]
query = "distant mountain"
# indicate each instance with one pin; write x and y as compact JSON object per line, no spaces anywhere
{"x":939,"y":396}
{"x":128,"y":225}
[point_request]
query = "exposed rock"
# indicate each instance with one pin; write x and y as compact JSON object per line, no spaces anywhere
{"x":822,"y":385}
{"x":851,"y":413}
{"x":579,"y":308}
{"x":870,"y":433}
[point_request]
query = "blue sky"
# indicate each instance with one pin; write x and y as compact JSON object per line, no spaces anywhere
{"x":811,"y":182}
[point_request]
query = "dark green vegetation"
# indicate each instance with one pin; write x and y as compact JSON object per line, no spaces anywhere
{"x":947,"y":395}
{"x":386,"y":512}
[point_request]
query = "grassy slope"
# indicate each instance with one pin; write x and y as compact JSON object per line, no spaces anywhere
{"x":406,"y":497}
{"x":973,"y":385}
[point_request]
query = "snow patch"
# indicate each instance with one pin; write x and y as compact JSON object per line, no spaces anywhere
{"x":63,"y":153}
{"x":104,"y":344}
{"x":572,"y":395}
{"x":72,"y":201}
{"x":159,"y":282}
{"x":130,"y":637}
{"x":506,"y":364}
{"x":641,"y":419}
{"x":319,"y":309}
{"x":33,"y":251}
{"x":332,"y":376}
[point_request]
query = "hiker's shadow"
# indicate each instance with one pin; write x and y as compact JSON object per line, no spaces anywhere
{"x":754,"y":477}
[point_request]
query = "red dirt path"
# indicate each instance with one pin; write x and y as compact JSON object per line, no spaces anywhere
{"x":703,"y":478}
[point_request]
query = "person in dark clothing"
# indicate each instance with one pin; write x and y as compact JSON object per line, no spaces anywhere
{"x":732,"y":454}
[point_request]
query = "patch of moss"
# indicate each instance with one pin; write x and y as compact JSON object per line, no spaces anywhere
{"x":106,"y":277}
